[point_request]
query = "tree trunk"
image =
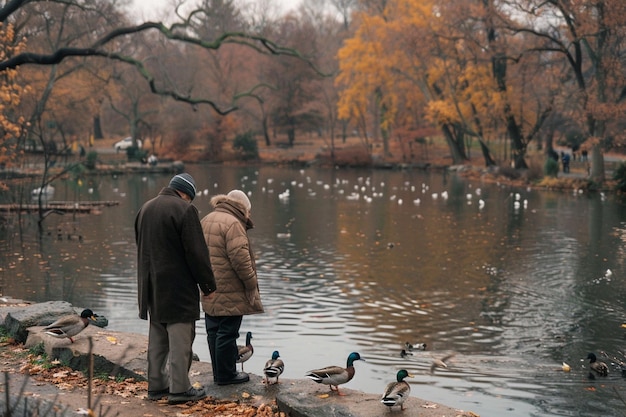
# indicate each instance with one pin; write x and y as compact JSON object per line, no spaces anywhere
{"x":597,"y":164}
{"x":489,"y":161}
{"x":97,"y":128}
{"x":266,"y":133}
{"x":456,"y":147}
{"x":291,"y":135}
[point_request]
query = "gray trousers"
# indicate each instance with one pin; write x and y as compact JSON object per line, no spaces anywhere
{"x":169,"y":356}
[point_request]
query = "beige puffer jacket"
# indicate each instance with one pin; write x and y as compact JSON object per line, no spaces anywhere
{"x":232,"y":260}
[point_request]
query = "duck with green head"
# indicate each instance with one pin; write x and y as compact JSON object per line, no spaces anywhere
{"x":333,"y":376}
{"x":273,"y":368}
{"x":69,"y":326}
{"x":397,"y":392}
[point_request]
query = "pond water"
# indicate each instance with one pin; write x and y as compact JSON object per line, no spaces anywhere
{"x":512,"y":281}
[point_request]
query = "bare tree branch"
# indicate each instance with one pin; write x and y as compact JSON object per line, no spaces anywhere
{"x":175,"y":32}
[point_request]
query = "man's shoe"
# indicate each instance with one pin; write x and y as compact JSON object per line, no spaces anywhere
{"x":158,"y":395}
{"x":192,"y":394}
{"x":239,"y":379}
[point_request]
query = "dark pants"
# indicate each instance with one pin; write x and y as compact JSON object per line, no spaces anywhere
{"x":222,"y":333}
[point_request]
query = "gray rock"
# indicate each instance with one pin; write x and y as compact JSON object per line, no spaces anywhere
{"x":18,"y":320}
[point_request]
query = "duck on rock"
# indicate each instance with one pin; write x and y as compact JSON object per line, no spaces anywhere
{"x":245,"y":352}
{"x":273,"y":368}
{"x":69,"y":326}
{"x":333,"y":376}
{"x":397,"y":392}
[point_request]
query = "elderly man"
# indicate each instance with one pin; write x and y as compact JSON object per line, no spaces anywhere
{"x":172,"y":263}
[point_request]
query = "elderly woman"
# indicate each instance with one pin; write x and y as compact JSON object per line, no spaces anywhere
{"x":225,"y":231}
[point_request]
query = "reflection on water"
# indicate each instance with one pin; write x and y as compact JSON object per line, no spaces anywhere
{"x":513,"y":281}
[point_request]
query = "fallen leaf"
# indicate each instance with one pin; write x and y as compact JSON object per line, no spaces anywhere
{"x":112,"y":339}
{"x":429,"y":406}
{"x":323,"y":396}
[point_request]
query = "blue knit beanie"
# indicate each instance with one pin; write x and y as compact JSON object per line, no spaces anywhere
{"x":185,"y":184}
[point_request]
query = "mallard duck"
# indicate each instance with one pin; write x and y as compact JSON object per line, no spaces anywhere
{"x":598,"y":367}
{"x":440,"y":363}
{"x":245,"y":352}
{"x":273,"y":367}
{"x":397,"y":392}
{"x":70,"y":325}
{"x":418,"y":346}
{"x":335,"y":375}
{"x":404,"y":353}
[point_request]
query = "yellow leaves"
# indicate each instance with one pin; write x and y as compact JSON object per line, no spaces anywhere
{"x":408,"y":61}
{"x":441,"y":112}
{"x":10,"y":96}
{"x":377,"y":66}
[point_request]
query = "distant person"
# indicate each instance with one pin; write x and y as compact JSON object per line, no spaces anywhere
{"x":225,"y":231}
{"x":172,"y":263}
{"x":153,"y":160}
{"x":565,"y":158}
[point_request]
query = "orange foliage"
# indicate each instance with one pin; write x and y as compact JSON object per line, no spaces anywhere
{"x":11,"y":125}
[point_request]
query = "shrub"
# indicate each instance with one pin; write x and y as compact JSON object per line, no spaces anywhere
{"x":136,"y":154}
{"x":90,"y":162}
{"x":246,"y":145}
{"x":620,"y":177}
{"x":551,"y":167}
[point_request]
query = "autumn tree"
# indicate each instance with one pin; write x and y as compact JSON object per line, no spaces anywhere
{"x":453,"y":64}
{"x":493,"y":88}
{"x":589,"y":36}
{"x":386,"y":70}
{"x":12,"y":124}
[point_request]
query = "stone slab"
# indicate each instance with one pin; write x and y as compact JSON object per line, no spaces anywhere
{"x":126,"y":354}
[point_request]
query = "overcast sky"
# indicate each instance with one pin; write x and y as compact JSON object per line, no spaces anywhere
{"x":148,"y":9}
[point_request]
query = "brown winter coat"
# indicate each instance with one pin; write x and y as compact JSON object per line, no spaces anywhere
{"x":172,"y":260}
{"x":232,"y":260}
